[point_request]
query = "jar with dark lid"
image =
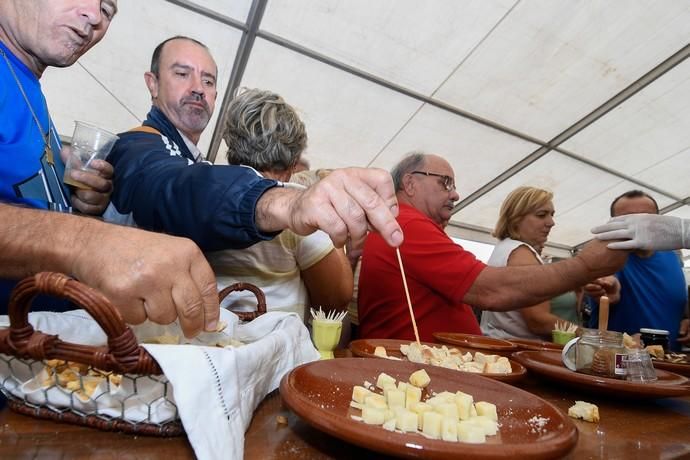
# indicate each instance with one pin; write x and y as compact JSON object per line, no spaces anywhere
{"x":654,"y":337}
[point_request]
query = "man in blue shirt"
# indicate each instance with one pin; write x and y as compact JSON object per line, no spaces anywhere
{"x":31,"y":166}
{"x":653,"y":292}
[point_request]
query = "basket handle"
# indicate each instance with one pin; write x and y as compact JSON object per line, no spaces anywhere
{"x":123,"y":354}
{"x":260,"y":300}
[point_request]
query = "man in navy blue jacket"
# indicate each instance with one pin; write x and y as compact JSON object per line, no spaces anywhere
{"x":162,"y":184}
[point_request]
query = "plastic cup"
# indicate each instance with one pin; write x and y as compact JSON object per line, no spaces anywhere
{"x":89,"y":143}
{"x":326,"y":335}
{"x":639,"y":367}
{"x":562,"y":337}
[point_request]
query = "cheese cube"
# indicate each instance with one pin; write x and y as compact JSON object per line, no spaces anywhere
{"x":449,"y":429}
{"x":487,"y":409}
{"x":420,"y":408}
{"x":406,"y":421}
{"x":375,"y":401}
{"x":447,"y":410}
{"x":395,"y":398}
{"x":431,"y":426}
{"x":420,"y":378}
{"x":359,"y":394}
{"x":465,"y":403}
{"x":502,"y":366}
{"x":402,"y":386}
{"x":389,"y":415}
{"x":383,"y":380}
{"x":585,"y":411}
{"x":373,"y":416}
{"x":389,"y":424}
{"x":474,"y":367}
{"x":444,"y":397}
{"x":480,"y":357}
{"x":490,"y":427}
{"x":470,"y":432}
{"x":356,"y":405}
{"x":380,"y":351}
{"x":412,"y":396}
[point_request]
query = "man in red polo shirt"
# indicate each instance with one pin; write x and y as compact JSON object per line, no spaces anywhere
{"x":441,"y":275}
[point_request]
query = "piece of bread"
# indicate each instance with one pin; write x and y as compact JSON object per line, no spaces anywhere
{"x":502,"y":366}
{"x":656,"y":351}
{"x":585,"y":411}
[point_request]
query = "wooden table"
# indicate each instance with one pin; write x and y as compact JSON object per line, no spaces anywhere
{"x":628,"y":430}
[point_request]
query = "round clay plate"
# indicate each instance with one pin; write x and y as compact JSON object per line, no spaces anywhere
{"x":549,"y":364}
{"x":364,"y":348}
{"x":320,"y":392}
{"x":528,"y":344}
{"x":678,"y":368}
{"x":477,"y":342}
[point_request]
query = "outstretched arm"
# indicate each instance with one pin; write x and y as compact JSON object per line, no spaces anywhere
{"x":508,"y":288}
{"x":145,"y":275}
{"x":538,"y":318}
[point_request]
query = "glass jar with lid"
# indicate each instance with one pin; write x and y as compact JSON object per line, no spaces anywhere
{"x":596,"y":352}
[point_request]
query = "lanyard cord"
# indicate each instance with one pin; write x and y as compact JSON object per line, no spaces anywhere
{"x":46,"y":136}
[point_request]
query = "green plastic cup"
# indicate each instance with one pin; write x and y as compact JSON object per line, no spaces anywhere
{"x":562,"y":337}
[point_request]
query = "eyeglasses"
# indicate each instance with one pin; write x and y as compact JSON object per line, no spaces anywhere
{"x":447,"y":181}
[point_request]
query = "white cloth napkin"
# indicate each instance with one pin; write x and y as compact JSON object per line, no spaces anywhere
{"x":216,"y":390}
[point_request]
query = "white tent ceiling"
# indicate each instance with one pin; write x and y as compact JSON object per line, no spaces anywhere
{"x":587,"y":98}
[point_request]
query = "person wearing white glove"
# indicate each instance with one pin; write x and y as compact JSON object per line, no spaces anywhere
{"x":646,"y":231}
{"x":653,"y":291}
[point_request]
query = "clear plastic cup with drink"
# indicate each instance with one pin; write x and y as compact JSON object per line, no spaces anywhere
{"x":89,"y":143}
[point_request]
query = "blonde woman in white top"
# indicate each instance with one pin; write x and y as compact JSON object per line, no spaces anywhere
{"x":295,"y":272}
{"x":524,"y":224}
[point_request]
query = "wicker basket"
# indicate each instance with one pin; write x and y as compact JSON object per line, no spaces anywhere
{"x":260,"y":300}
{"x":26,"y":356}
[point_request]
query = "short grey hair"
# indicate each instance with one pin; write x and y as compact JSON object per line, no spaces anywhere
{"x":410,"y":162}
{"x":263,"y":131}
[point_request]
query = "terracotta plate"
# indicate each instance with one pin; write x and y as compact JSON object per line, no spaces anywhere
{"x":527,"y":344}
{"x":549,"y":364}
{"x":365,"y":349}
{"x":477,"y":342}
{"x":678,"y":368}
{"x":320,"y":393}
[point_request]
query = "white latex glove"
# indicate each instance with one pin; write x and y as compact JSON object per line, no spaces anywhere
{"x":645,"y":231}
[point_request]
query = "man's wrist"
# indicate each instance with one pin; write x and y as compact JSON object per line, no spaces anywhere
{"x":274,"y":209}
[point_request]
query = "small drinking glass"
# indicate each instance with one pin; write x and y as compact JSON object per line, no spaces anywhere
{"x":639,"y":367}
{"x":89,"y":143}
{"x":326,"y":336}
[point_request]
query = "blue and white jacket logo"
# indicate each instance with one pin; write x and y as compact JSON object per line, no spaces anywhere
{"x":173,"y":149}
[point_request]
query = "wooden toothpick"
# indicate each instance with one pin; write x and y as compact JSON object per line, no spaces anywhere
{"x":407,"y":294}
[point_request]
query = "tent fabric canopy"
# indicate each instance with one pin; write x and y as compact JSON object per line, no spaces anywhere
{"x":586,"y":98}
